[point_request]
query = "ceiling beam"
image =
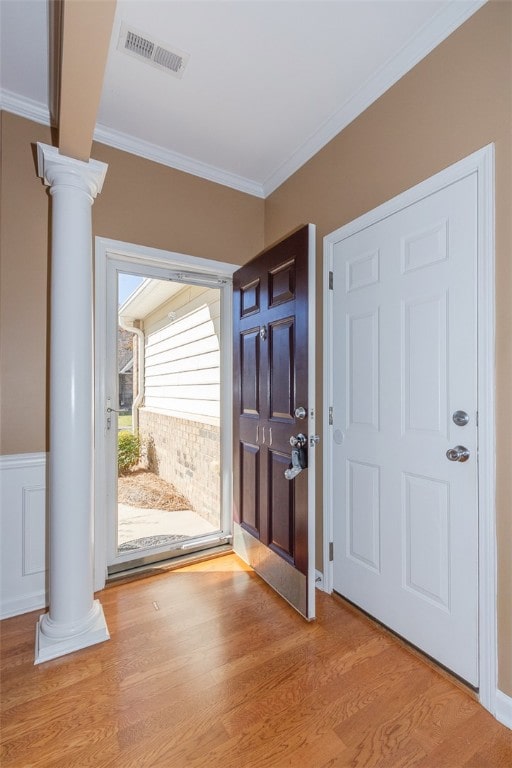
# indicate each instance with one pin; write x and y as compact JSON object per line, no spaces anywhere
{"x":86,"y":32}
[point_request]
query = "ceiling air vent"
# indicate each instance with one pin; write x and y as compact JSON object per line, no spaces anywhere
{"x":154,"y":52}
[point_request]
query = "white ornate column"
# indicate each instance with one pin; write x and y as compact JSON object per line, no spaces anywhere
{"x":75,"y":620}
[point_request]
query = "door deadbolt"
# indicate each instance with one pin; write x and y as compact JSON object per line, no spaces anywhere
{"x":300,"y":412}
{"x":460,"y":418}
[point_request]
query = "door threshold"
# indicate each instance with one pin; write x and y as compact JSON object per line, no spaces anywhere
{"x":155,"y":569}
{"x":431,"y":662}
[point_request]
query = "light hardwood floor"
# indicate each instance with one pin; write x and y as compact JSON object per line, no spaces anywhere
{"x":206,"y":667}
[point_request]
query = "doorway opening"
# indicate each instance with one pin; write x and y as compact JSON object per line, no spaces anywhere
{"x":168,"y":419}
{"x":163,"y":410}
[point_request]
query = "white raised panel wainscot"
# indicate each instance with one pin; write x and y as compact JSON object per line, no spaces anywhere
{"x":23,"y":578}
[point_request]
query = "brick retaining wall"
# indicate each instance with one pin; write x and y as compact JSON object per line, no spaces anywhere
{"x":186,"y":454}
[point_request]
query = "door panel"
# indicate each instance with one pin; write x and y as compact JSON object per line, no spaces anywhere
{"x":404,"y":359}
{"x":249,"y":483}
{"x":272,"y":345}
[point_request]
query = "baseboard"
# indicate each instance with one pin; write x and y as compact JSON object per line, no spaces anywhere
{"x":504,"y":709}
{"x":25,"y":604}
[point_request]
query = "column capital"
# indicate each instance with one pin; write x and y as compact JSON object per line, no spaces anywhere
{"x":55,"y":168}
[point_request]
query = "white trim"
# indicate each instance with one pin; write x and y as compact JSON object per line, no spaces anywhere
{"x":39,"y":113}
{"x":486,"y":330}
{"x":312,"y":370}
{"x":25,"y":107}
{"x":437,"y":29}
{"x":327,"y":429}
{"x":51,"y":166}
{"x":481,"y":163}
{"x":23,"y":460}
{"x":114,"y":254}
{"x":226,"y":404}
{"x":48,"y":648}
{"x":22,"y":481}
{"x":504,"y":709}
{"x":175,"y":160}
{"x":138,"y":255}
{"x":18,"y":605}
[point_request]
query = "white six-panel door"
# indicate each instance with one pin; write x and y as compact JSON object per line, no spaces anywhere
{"x":405,"y":517}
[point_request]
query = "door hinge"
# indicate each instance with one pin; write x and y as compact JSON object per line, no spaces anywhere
{"x":331,"y":415}
{"x":331,"y":281}
{"x":331,"y":551}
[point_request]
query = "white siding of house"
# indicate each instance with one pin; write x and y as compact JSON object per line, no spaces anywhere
{"x":182,"y":357}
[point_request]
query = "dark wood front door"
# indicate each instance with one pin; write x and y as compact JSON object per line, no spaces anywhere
{"x":273,"y":527}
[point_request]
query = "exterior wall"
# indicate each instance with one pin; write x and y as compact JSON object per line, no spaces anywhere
{"x":179,"y":423}
{"x":187,"y":454}
{"x":455,"y":101}
{"x":182,"y":356}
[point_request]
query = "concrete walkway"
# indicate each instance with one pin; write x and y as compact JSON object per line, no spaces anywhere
{"x":137,"y":523}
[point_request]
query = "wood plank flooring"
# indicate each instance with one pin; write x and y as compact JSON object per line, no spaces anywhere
{"x":206,"y":667}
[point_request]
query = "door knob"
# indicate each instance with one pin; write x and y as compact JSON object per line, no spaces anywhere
{"x":298,"y":441}
{"x":459,"y":453}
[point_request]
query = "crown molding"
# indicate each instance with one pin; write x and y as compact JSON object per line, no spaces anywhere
{"x":24,"y":107}
{"x":175,"y":160}
{"x":39,"y":113}
{"x":429,"y":36}
{"x":426,"y":39}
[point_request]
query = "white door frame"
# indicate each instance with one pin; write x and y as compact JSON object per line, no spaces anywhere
{"x":131,"y":257}
{"x":480,"y":163}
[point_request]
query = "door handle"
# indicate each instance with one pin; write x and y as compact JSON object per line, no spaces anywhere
{"x":299,"y":456}
{"x":459,"y":453}
{"x":296,"y":467}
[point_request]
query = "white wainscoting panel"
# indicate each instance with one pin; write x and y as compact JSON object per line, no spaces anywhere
{"x":23,"y":550}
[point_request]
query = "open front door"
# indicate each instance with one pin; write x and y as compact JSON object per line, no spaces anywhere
{"x":274,"y":420}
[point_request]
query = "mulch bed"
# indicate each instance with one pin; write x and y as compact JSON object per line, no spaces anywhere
{"x":142,"y":488}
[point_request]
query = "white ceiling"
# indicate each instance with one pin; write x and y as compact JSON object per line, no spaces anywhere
{"x":268,"y":82}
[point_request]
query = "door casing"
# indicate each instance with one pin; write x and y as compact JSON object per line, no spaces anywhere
{"x":129,"y":257}
{"x":481,"y":163}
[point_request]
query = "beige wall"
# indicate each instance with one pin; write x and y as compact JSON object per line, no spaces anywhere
{"x":23,"y":281}
{"x":141,"y":202}
{"x":149,"y":204}
{"x":454,"y":102}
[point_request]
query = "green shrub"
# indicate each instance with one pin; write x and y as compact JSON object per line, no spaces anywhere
{"x":128,"y":451}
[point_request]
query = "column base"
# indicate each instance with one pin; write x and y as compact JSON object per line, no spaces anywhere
{"x":51,"y":648}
